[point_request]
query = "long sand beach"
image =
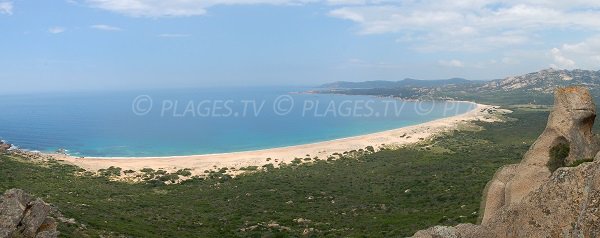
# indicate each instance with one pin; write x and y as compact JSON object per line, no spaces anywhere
{"x":200,"y":163}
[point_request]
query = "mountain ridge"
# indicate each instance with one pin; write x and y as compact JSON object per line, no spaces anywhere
{"x":546,"y":80}
{"x":407,"y":82}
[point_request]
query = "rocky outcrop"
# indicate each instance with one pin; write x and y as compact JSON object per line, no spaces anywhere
{"x":540,"y":196}
{"x":4,"y":146}
{"x":569,"y":125}
{"x":24,"y":216}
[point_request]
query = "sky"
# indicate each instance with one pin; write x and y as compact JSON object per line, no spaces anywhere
{"x":70,"y":45}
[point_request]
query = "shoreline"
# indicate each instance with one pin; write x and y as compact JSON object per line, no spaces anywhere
{"x":273,"y":148}
{"x":198,"y":164}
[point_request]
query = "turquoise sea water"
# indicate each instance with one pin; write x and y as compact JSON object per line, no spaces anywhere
{"x":201,"y":121}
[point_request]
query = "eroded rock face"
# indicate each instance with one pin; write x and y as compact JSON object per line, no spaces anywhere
{"x":23,"y":216}
{"x":570,"y":123}
{"x":530,"y":200}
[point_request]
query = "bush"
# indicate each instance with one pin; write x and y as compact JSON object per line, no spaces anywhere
{"x":578,"y":162}
{"x":249,"y":168}
{"x":184,"y":172}
{"x":269,"y":166}
{"x":161,"y":172}
{"x":111,"y":171}
{"x":297,"y":161}
{"x":147,"y":170}
{"x":155,"y":183}
{"x":558,"y":154}
{"x":169,"y":177}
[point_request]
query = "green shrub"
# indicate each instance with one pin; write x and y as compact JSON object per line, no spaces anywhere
{"x":155,"y":183}
{"x":269,"y":166}
{"x":147,"y":170}
{"x":297,"y":161}
{"x":578,"y":162}
{"x":249,"y":168}
{"x":558,"y":154}
{"x":111,"y":171}
{"x":184,"y":172}
{"x":169,"y":177}
{"x":161,"y":172}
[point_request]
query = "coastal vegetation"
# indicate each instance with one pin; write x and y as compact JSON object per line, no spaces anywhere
{"x":387,"y":193}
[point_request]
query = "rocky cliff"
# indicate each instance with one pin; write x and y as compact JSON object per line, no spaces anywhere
{"x":23,"y":216}
{"x":555,"y":190}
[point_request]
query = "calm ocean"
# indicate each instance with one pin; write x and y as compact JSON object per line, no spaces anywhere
{"x":201,"y":121}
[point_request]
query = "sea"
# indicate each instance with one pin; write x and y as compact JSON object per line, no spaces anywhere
{"x":172,"y":122}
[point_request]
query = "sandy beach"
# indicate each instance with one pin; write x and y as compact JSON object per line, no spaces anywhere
{"x":200,"y":163}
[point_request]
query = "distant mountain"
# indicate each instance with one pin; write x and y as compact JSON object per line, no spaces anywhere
{"x":546,"y":80}
{"x":396,"y":84}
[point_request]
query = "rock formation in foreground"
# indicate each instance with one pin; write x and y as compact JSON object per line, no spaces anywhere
{"x":23,"y":216}
{"x":546,"y":194}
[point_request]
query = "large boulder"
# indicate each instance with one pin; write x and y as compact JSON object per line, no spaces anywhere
{"x":540,"y":197}
{"x":23,"y":216}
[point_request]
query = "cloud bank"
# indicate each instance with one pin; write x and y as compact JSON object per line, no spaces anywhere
{"x":431,"y":25}
{"x":6,"y":8}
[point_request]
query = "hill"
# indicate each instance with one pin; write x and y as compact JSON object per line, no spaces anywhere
{"x":408,"y":82}
{"x":546,"y":80}
{"x":531,"y":88}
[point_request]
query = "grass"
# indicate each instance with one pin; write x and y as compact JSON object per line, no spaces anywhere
{"x":383,"y":194}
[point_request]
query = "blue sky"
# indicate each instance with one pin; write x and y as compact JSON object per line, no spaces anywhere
{"x":140,"y":44}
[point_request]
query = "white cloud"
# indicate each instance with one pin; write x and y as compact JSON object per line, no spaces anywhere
{"x":6,"y":8}
{"x":470,"y":25}
{"x":176,"y":8}
{"x":587,"y":53}
{"x":452,"y":63}
{"x":103,"y":27}
{"x":560,"y":61}
{"x":56,"y":30}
